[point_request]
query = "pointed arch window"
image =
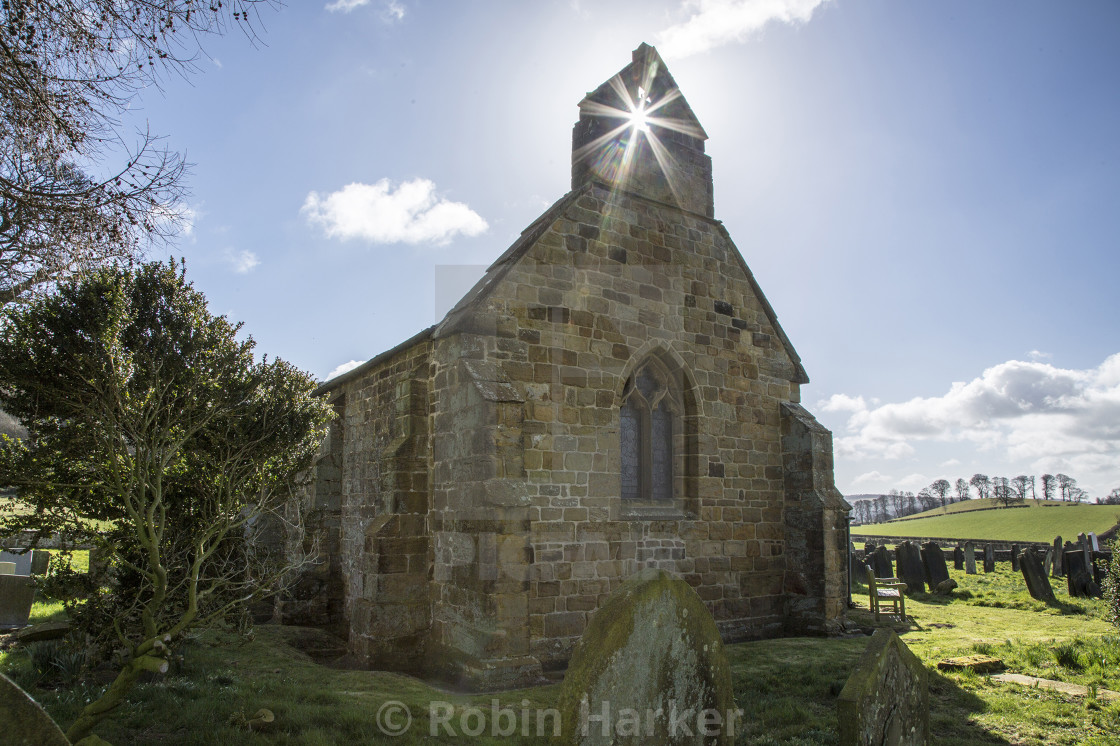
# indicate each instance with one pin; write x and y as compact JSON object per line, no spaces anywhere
{"x":649,"y":417}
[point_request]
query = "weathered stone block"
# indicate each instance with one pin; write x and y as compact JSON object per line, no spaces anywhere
{"x":886,"y":699}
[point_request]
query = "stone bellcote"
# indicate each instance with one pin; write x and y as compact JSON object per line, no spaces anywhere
{"x":637,"y":133}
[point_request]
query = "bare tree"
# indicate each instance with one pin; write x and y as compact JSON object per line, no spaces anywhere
{"x":941,"y":488}
{"x":962,"y":490}
{"x":1019,"y":486}
{"x":76,"y":192}
{"x":983,"y":485}
{"x":1066,"y":486}
{"x":1002,"y":491}
{"x":1049,"y":485}
{"x":927,"y":499}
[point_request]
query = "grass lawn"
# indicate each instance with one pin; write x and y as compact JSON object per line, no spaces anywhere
{"x":787,"y":687}
{"x":1033,"y":523}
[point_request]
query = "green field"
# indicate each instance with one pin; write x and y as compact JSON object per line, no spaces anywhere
{"x":1032,"y":523}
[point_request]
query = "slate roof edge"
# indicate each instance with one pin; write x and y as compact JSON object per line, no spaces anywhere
{"x":373,"y":362}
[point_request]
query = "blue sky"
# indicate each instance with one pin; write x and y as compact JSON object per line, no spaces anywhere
{"x":927,"y":193}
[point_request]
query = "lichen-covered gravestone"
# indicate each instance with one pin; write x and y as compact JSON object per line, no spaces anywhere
{"x":1014,"y":558}
{"x":880,"y":562}
{"x":649,"y":669}
{"x":17,"y":592}
{"x":23,"y":722}
{"x":989,"y":558}
{"x":886,"y":699}
{"x":909,"y":565}
{"x":969,"y":558}
{"x":934,"y":560}
{"x":1038,"y":585}
{"x":1059,"y":569}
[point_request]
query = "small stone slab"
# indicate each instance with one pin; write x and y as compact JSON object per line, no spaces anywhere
{"x":43,"y":631}
{"x":977,"y":663}
{"x":23,"y":722}
{"x":651,"y":652}
{"x":1078,"y":690}
{"x":886,"y":699}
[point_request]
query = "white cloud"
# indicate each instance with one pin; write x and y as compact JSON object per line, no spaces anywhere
{"x":391,"y":10}
{"x":344,"y":368}
{"x":951,"y":462}
{"x":1037,"y":414}
{"x":242,"y":261}
{"x":378,"y":213}
{"x":717,"y":22}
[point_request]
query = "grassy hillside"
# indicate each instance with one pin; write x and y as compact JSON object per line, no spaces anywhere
{"x":1033,"y":523}
{"x":967,"y":505}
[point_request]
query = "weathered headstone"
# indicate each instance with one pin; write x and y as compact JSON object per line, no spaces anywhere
{"x":651,"y":652}
{"x":1038,"y":584}
{"x":17,"y":592}
{"x":23,"y":721}
{"x":1014,"y":558}
{"x":881,"y":563}
{"x":934,"y":560}
{"x":1058,"y":570}
{"x":969,"y":558}
{"x":958,"y":558}
{"x":855,"y":566}
{"x":1049,"y":564}
{"x":909,"y":565}
{"x":40,"y":561}
{"x":1094,"y":543}
{"x":22,"y":561}
{"x":886,"y":699}
{"x":1079,"y":575}
{"x":989,"y":558}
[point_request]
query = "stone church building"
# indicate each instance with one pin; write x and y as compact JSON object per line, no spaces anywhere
{"x":615,"y":393}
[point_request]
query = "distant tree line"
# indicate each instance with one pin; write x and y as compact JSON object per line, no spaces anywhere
{"x":1006,"y":491}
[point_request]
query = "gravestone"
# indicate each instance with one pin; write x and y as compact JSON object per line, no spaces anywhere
{"x":1049,"y":564}
{"x":1094,"y":544}
{"x":886,"y":699}
{"x":22,"y":561}
{"x":881,"y":563}
{"x":16,"y":595}
{"x":1038,"y":584}
{"x":40,"y":561}
{"x":1058,"y":569}
{"x":958,"y":558}
{"x":934,"y":560}
{"x":909,"y":565}
{"x":855,"y":567}
{"x":7,"y":568}
{"x":23,"y":721}
{"x":1079,"y":575}
{"x":1100,"y":562}
{"x":969,"y":558}
{"x":1014,"y":558}
{"x":989,"y":558}
{"x":651,"y":652}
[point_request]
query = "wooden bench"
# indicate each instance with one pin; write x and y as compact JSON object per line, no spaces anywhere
{"x":886,"y":591}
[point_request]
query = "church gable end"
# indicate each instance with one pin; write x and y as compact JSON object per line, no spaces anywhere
{"x":615,"y":394}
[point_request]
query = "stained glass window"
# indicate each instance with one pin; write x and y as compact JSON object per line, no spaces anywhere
{"x":646,"y":434}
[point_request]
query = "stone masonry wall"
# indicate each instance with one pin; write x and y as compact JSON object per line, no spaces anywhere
{"x":385,"y":549}
{"x":612,"y":280}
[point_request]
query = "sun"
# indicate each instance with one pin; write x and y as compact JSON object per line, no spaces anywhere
{"x":639,"y":114}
